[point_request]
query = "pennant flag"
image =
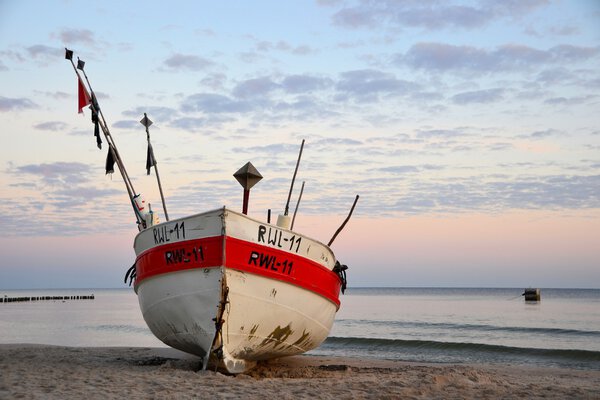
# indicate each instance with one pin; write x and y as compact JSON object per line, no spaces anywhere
{"x":150,"y":161}
{"x":110,"y":161}
{"x":95,"y":102}
{"x":84,"y":97}
{"x":96,"y":127}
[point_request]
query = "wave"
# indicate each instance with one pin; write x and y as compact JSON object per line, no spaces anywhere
{"x":474,"y":327}
{"x":118,"y":328}
{"x":398,"y":345}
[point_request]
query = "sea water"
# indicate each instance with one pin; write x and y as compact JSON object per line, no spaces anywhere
{"x":434,"y":325}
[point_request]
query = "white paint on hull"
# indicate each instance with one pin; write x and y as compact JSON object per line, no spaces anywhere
{"x":179,"y":308}
{"x":266,"y":318}
{"x":197,"y":226}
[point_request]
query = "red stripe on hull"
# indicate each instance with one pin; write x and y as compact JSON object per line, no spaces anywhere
{"x":282,"y":266}
{"x":243,"y":256}
{"x":180,"y":256}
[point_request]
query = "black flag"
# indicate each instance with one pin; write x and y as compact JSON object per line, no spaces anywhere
{"x":96,"y":127}
{"x":150,"y":161}
{"x":110,"y":161}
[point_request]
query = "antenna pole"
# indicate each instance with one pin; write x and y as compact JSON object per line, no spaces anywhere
{"x":297,"y":204}
{"x":146,"y":122}
{"x":344,"y":223}
{"x":287,"y":204}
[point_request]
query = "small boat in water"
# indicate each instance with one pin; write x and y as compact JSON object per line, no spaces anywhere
{"x":532,"y":294}
{"x":222,"y":285}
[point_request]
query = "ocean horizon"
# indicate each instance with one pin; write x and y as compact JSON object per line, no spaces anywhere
{"x":422,"y":324}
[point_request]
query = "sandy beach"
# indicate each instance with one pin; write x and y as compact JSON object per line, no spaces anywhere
{"x":53,"y":372}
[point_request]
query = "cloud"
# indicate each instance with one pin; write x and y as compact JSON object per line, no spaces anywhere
{"x":542,"y":134}
{"x":3,"y":67}
{"x":400,"y":169}
{"x":155,"y":113}
{"x":569,"y":101}
{"x":501,"y":146}
{"x":127,"y":124}
{"x":45,"y":52}
{"x":16,"y":104}
{"x":58,"y":173}
{"x":304,"y":83}
{"x":56,"y":95}
{"x":80,"y":196}
{"x":555,"y":76}
{"x":367,"y":85}
{"x":214,"y":103}
{"x":257,"y":87}
{"x":488,"y":194}
{"x":192,"y":124}
{"x":189,"y":124}
{"x":55,"y":126}
{"x":187,"y":62}
{"x":72,"y":36}
{"x":214,"y":81}
{"x":328,"y":142}
{"x":478,"y":96}
{"x":439,"y":133}
{"x":266,"y":46}
{"x":430,"y":15}
{"x":447,"y":57}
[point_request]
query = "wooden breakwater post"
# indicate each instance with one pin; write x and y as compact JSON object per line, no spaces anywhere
{"x":532,"y":294}
{"x":7,"y":299}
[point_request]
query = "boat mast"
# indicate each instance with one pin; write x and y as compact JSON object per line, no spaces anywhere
{"x":103,"y":125}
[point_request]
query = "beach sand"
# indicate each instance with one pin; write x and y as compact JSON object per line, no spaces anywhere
{"x":53,"y":372}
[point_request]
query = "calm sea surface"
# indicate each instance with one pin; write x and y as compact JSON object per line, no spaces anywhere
{"x":413,"y":324}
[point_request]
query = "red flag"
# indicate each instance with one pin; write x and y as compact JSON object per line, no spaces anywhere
{"x":84,"y":97}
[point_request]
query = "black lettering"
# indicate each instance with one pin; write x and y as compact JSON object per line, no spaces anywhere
{"x":261,"y":233}
{"x":155,"y":232}
{"x":253,"y":258}
{"x":169,"y":257}
{"x":274,"y":240}
{"x":264,"y":260}
{"x":178,"y":255}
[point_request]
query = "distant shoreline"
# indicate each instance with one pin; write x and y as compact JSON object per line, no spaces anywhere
{"x":41,"y":371}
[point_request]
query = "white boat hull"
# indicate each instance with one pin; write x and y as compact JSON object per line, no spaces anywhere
{"x":226,"y":287}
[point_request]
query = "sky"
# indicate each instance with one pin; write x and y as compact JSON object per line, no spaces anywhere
{"x":470,"y":130}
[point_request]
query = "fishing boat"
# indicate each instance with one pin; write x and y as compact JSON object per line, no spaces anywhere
{"x":219,"y":284}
